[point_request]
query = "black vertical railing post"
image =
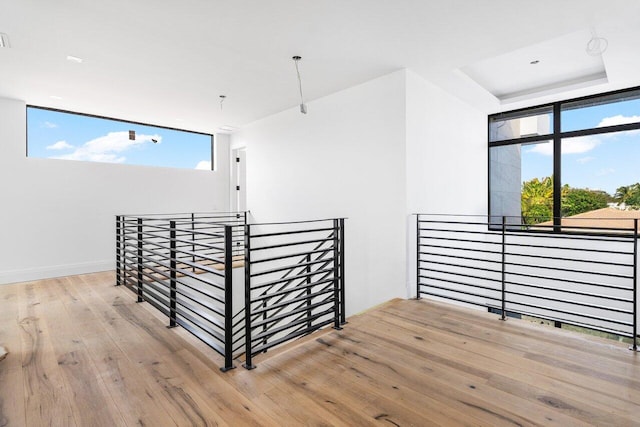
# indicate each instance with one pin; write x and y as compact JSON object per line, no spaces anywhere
{"x":417,"y":256}
{"x":140,"y":262}
{"x":247,"y":298}
{"x":228,"y":298}
{"x":634,"y":345}
{"x":307,"y":271}
{"x":193,"y":241}
{"x":504,"y":229}
{"x":336,"y":273}
{"x":172,"y":275}
{"x":343,"y":311}
{"x":118,"y":250}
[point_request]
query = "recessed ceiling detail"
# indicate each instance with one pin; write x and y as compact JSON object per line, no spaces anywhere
{"x":561,"y":64}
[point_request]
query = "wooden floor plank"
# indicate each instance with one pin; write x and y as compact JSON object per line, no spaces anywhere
{"x":12,"y":402}
{"x":82,"y":352}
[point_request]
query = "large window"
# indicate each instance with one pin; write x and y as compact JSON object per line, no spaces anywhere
{"x":55,"y":134}
{"x":567,"y":161}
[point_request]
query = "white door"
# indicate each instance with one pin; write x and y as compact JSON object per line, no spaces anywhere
{"x":239,"y":181}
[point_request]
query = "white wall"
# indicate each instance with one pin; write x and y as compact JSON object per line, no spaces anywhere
{"x":446,"y":158}
{"x":346,"y":157}
{"x":58,"y":216}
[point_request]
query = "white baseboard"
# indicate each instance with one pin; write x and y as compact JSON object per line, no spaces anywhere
{"x":31,"y":274}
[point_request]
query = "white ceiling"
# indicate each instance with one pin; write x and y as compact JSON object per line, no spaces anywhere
{"x":166,"y":62}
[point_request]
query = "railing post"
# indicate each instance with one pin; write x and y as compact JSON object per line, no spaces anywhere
{"x":307,"y":271}
{"x":172,"y":275}
{"x":634,"y":345}
{"x":228,"y":298}
{"x":417,"y":256}
{"x":504,"y":228}
{"x":193,"y":241}
{"x":140,"y":262}
{"x":118,"y":250}
{"x":343,"y":311}
{"x":336,"y":273}
{"x":247,"y":297}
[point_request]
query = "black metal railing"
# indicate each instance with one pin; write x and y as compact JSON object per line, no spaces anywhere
{"x":585,"y":276}
{"x":294,"y":282}
{"x":182,"y":265}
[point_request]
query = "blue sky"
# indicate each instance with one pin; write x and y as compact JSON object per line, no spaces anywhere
{"x":57,"y":135}
{"x":601,"y":162}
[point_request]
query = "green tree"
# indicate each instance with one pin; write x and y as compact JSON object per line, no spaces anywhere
{"x":578,"y":200}
{"x":537,"y":200}
{"x":629,"y":195}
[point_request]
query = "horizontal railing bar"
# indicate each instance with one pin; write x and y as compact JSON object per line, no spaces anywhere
{"x":488,"y":288}
{"x":283,"y":245}
{"x":573,"y":322}
{"x":568,"y":270}
{"x":572,"y":313}
{"x":448,"y":230}
{"x":202,"y":337}
{"x":281,"y":257}
{"x":290,"y":232}
{"x":184,"y":272}
{"x":304,"y":296}
{"x":279,"y":298}
{"x":302,"y":309}
{"x":603,"y":251}
{"x":577,"y":282}
{"x":298,"y":222}
{"x":290,"y":278}
{"x":290,"y":290}
{"x":290,"y":336}
{"x":569,"y":291}
{"x":483,"y":304}
{"x":456,"y":248}
{"x":274,"y":331}
{"x":592,"y":261}
{"x":448,"y":239}
{"x":290,"y":267}
{"x":582,"y":304}
{"x":457,"y":291}
{"x":461,"y":257}
{"x":460,"y":266}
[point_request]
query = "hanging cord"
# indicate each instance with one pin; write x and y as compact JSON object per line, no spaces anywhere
{"x":303,"y":107}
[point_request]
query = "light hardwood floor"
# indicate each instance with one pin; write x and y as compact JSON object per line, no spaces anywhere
{"x":83,"y":353}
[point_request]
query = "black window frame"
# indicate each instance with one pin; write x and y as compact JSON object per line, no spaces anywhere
{"x":96,"y":116}
{"x":556,"y":136}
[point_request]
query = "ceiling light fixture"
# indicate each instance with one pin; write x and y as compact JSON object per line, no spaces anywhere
{"x":303,"y":107}
{"x":222,"y":98}
{"x":597,"y":45}
{"x":74,"y":59}
{"x":4,"y":40}
{"x":534,"y":62}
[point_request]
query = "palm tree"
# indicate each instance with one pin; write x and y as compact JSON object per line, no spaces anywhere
{"x":623,"y":193}
{"x":537,"y":200}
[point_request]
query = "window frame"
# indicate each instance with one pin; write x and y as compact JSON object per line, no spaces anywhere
{"x":96,"y":116}
{"x":556,"y":135}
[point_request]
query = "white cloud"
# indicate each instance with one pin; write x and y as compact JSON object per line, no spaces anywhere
{"x":618,"y":120}
{"x":608,"y":171}
{"x":108,"y":148}
{"x":546,"y":149}
{"x":581,"y":144}
{"x":584,"y":160}
{"x":49,"y":125}
{"x":204,"y":165}
{"x":577,"y":145}
{"x":60,"y":145}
